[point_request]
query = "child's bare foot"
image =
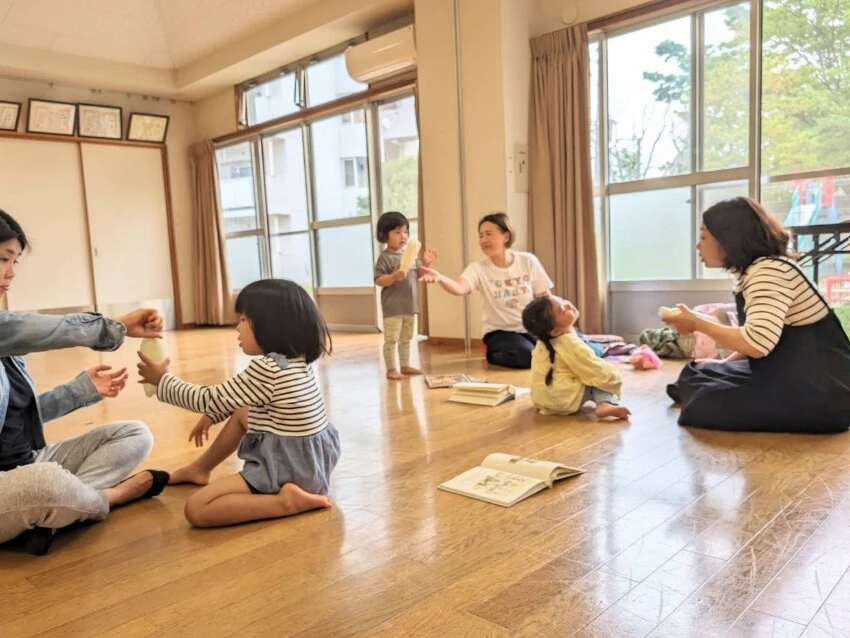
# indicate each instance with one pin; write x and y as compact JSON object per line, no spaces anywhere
{"x":294,"y":500}
{"x":410,"y":371}
{"x":395,"y":375}
{"x":190,"y":474}
{"x":611,"y":411}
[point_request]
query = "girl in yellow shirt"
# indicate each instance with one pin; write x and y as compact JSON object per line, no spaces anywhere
{"x":565,"y":372}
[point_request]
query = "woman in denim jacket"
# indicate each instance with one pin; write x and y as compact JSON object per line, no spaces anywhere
{"x":46,"y":487}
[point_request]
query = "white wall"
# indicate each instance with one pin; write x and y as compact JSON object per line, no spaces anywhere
{"x":181,"y":133}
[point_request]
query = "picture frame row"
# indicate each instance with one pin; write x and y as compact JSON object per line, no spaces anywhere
{"x":84,"y":120}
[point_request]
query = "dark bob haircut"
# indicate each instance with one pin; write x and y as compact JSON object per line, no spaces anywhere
{"x":503,"y":222}
{"x":10,"y":229}
{"x":284,"y":318}
{"x":388,"y":222}
{"x":745,"y":232}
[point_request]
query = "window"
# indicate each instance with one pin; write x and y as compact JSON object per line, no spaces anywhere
{"x":270,"y":100}
{"x":354,"y":172}
{"x":399,"y":144}
{"x":345,"y":192}
{"x":677,"y":114}
{"x":680,"y":120}
{"x":329,"y":80}
{"x":311,"y":217}
{"x":353,"y":117}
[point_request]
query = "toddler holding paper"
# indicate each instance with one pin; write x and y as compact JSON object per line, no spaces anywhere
{"x":396,"y":272}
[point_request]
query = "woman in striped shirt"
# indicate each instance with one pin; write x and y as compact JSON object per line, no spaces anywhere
{"x":790,"y":370}
{"x":276,"y":414}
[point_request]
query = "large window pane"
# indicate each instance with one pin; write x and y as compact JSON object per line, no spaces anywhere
{"x":329,"y":80}
{"x":285,"y":181}
{"x":804,"y":202}
{"x":290,"y":257}
{"x":806,"y":86}
{"x":650,"y":235}
{"x":708,"y":196}
{"x":399,"y":142}
{"x":726,"y":88}
{"x":236,"y":187}
{"x":243,"y":260}
{"x":594,"y":111}
{"x":649,"y":102}
{"x":345,"y":256}
{"x":341,"y":184}
{"x":270,"y":100}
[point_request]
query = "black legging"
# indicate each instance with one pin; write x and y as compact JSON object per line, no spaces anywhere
{"x":513,"y":349}
{"x":509,"y":349}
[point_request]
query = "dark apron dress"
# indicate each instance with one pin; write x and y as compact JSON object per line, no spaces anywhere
{"x":802,"y":386}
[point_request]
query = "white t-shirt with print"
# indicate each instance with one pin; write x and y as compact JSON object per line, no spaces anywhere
{"x":506,"y":291}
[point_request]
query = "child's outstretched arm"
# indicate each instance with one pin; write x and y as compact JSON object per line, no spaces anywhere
{"x":590,"y":369}
{"x":252,"y":386}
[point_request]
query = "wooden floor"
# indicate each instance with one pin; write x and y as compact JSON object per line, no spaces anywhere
{"x":671,"y":532}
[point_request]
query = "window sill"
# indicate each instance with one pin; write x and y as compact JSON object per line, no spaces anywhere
{"x":671,"y":285}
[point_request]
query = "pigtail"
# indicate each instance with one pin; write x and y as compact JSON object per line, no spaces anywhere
{"x":548,"y":343}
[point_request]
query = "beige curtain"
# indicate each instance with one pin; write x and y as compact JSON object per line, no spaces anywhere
{"x":420,"y":214}
{"x":213,"y":299}
{"x":560,"y":188}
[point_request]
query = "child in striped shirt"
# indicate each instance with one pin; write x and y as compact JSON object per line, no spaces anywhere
{"x":276,"y":414}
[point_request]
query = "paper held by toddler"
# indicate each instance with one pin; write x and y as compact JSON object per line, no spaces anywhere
{"x":408,"y":257}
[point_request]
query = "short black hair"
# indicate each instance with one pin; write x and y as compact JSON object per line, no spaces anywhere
{"x":745,"y":232}
{"x":503,"y":222}
{"x":285,"y":319}
{"x":388,"y":222}
{"x":11,"y":229}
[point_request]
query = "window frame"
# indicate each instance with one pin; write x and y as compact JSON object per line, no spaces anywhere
{"x":369,"y":105}
{"x":697,"y":177}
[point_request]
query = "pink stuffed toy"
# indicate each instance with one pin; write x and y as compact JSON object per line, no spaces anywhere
{"x":643,"y":358}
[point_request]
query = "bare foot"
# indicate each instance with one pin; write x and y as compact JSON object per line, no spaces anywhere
{"x":190,"y":474}
{"x":129,"y":489}
{"x":395,"y":375}
{"x":294,"y":500}
{"x":611,"y":411}
{"x":410,"y":371}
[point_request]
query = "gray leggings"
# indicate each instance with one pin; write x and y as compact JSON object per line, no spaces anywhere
{"x":64,"y":483}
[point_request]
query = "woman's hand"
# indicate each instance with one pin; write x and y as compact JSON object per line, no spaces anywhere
{"x":108,"y":384}
{"x":429,"y":275}
{"x":151,"y":372}
{"x":429,"y":256}
{"x":201,"y":431}
{"x":684,"y":322}
{"x":143,"y":323}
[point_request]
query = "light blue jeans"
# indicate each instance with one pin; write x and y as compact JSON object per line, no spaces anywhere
{"x":598,"y":396}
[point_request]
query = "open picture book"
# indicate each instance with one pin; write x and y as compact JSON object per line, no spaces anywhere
{"x":482,"y":393}
{"x":505,"y":479}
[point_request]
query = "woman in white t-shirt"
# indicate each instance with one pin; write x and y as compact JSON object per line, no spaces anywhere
{"x":508,"y":280}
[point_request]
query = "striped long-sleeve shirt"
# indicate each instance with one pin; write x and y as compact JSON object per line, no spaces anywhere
{"x":284,"y":401}
{"x":776,"y":295}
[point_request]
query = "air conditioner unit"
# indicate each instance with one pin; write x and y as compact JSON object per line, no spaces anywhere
{"x":383,"y":56}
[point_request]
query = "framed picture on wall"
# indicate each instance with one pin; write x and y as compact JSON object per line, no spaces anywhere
{"x":10,"y":115}
{"x":99,"y":121}
{"x":144,"y":127}
{"x":55,"y":118}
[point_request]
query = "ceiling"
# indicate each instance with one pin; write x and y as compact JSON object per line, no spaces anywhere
{"x":175,"y":48}
{"x":162,"y":34}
